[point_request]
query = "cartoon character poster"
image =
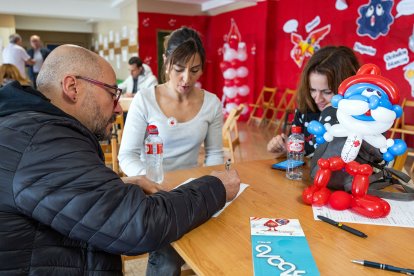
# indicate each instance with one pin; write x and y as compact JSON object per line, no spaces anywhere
{"x":375,"y":18}
{"x":305,"y":48}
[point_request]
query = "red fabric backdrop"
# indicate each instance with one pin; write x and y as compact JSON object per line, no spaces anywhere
{"x":269,"y":46}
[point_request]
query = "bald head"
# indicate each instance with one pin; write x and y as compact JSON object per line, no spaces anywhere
{"x":68,"y":60}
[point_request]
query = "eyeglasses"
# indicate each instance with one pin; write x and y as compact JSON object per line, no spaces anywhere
{"x":116,"y":95}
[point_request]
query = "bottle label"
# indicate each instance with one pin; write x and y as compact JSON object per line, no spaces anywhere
{"x":296,"y":146}
{"x":149,"y":149}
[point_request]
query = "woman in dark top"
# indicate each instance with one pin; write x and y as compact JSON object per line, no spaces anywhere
{"x":319,"y":82}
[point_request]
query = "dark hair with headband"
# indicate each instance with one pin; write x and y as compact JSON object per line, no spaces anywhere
{"x":181,"y":46}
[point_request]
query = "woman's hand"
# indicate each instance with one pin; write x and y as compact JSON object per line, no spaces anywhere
{"x":277,"y":145}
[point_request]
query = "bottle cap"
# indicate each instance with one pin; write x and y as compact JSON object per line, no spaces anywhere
{"x":152,"y":129}
{"x":296,"y":129}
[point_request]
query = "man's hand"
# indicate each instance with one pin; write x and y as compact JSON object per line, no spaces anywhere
{"x":147,"y":185}
{"x":231,"y":182}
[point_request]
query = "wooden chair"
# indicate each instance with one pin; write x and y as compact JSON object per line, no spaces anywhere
{"x":263,"y":103}
{"x":230,"y":132}
{"x":402,"y":127}
{"x":111,"y":147}
{"x":285,"y":107}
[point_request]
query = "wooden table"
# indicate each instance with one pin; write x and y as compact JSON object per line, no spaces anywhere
{"x":222,"y":245}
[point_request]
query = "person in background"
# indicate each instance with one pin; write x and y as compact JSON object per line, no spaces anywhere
{"x":15,"y":54}
{"x":38,"y":54}
{"x":319,"y":82}
{"x":62,"y":211}
{"x":140,"y":77}
{"x":186,"y":117}
{"x":9,"y":73}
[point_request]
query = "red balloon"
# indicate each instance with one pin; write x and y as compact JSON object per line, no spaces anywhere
{"x":352,"y":168}
{"x":237,"y":100}
{"x":235,"y":63}
{"x":228,"y":82}
{"x":323,"y":164}
{"x":370,"y":206}
{"x":340,"y":200}
{"x":239,"y":81}
{"x":234,"y":41}
{"x":322,"y":177}
{"x":224,"y":65}
{"x":336,"y":163}
{"x":360,"y":185}
{"x":307,"y":194}
{"x":321,"y":197}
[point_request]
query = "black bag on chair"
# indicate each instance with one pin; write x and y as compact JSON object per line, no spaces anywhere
{"x":341,"y":180}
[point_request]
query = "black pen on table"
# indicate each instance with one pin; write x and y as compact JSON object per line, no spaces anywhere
{"x":343,"y":227}
{"x":227,"y":165}
{"x":384,"y":267}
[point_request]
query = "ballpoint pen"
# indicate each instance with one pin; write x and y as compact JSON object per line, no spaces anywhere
{"x":343,"y":227}
{"x":405,"y":271}
{"x":227,"y":165}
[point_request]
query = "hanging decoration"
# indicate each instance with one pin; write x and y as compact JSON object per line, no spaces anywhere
{"x":235,"y":72}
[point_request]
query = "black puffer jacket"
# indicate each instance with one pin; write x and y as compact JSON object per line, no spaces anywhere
{"x":62,"y":212}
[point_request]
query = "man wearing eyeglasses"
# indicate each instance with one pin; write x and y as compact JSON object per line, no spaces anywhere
{"x":62,"y":211}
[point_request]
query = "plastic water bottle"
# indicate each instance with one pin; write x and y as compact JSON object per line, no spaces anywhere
{"x":295,"y":152}
{"x":153,"y":155}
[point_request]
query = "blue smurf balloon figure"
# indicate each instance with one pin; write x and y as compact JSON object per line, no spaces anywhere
{"x":367,"y":106}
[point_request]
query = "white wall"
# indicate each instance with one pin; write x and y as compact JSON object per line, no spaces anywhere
{"x":52,"y":24}
{"x":125,"y":28}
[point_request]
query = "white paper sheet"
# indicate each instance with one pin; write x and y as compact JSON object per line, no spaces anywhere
{"x":401,"y":215}
{"x":242,"y":188}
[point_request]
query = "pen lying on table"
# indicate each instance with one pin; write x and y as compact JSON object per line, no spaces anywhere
{"x":343,"y":227}
{"x":405,"y":271}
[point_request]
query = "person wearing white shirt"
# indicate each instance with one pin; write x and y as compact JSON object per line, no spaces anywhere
{"x":140,"y":77}
{"x":15,"y":54}
{"x":185,"y":115}
{"x":39,"y":54}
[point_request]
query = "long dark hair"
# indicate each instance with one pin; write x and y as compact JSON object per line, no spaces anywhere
{"x":180,"y":46}
{"x":335,"y":62}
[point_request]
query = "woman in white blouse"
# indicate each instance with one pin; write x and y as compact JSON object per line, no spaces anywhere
{"x":186,"y":116}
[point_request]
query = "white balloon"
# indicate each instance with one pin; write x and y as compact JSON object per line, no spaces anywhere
{"x":229,"y":74}
{"x":230,"y":106}
{"x":243,"y":90}
{"x":230,"y":92}
{"x":351,"y":147}
{"x":229,"y":54}
{"x":242,"y":72}
{"x":241,"y":51}
{"x":242,"y":56}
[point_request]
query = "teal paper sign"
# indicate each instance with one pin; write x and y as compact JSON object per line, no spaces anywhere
{"x":279,"y":247}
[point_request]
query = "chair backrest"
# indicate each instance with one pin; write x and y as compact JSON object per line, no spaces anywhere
{"x":111,"y":148}
{"x":401,"y":126}
{"x":230,"y":132}
{"x":266,"y":96}
{"x":285,"y":106}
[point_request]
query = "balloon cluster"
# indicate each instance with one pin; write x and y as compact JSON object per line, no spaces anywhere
{"x":367,"y":105}
{"x":235,"y":72}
